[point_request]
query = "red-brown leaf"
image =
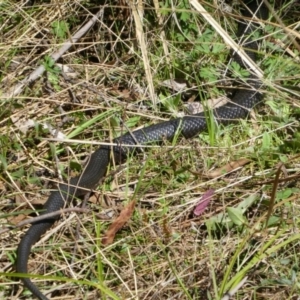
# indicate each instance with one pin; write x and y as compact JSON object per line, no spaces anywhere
{"x":118,"y":223}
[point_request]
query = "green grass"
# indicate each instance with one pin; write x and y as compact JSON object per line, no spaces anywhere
{"x":250,"y":227}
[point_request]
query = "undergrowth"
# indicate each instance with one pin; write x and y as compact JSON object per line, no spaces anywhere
{"x":247,"y":238}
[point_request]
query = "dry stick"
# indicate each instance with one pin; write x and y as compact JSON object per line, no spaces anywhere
{"x":137,"y":12}
{"x":45,"y":216}
{"x":17,"y":89}
{"x":227,"y":39}
{"x":162,"y":33}
{"x":288,"y":33}
{"x":289,"y":178}
{"x":273,"y":195}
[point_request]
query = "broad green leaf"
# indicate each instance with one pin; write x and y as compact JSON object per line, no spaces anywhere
{"x":236,"y":216}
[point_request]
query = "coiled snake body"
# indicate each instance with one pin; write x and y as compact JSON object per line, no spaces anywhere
{"x":241,"y":103}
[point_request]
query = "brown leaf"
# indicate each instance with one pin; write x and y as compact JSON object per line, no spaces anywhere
{"x":17,"y":219}
{"x":124,"y":216}
{"x":228,"y":168}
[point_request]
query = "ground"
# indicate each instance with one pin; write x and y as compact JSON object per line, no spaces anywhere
{"x":119,"y":77}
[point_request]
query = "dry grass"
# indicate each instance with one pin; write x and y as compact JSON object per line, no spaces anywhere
{"x":118,"y":67}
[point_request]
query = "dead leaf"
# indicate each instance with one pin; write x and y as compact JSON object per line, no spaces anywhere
{"x":204,"y":201}
{"x":22,"y":125}
{"x":124,"y":216}
{"x":2,"y":187}
{"x":17,"y":219}
{"x":67,"y":70}
{"x":197,"y":107}
{"x":228,"y":168}
{"x":174,"y":85}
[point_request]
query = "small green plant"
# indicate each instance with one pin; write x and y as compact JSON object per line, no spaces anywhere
{"x":60,"y":30}
{"x":52,"y":72}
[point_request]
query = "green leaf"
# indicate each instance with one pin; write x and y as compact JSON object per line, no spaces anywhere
{"x":185,"y":16}
{"x":238,"y":71}
{"x":225,"y":220}
{"x":209,"y":74}
{"x":132,"y":122}
{"x":273,"y":220}
{"x":218,"y":48}
{"x":114,"y":121}
{"x":236,"y":216}
{"x":17,"y":174}
{"x":204,"y":48}
{"x":87,"y":124}
{"x":3,"y":162}
{"x":281,"y":195}
{"x":266,"y":141}
{"x":171,"y":103}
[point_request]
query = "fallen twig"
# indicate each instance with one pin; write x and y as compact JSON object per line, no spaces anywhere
{"x":45,"y":216}
{"x":18,"y":88}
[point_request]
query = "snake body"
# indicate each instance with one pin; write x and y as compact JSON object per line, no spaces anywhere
{"x":241,"y":103}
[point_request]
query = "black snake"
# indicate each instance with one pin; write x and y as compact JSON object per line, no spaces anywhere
{"x":241,"y":103}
